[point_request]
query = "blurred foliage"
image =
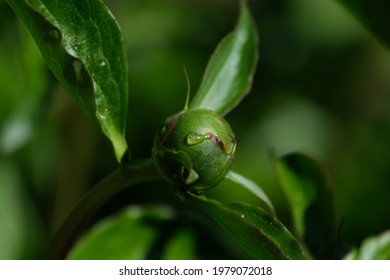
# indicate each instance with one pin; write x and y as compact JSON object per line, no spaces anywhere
{"x":373,"y":14}
{"x":372,"y":248}
{"x":322,"y":87}
{"x":306,"y":186}
{"x":153,"y":232}
{"x":129,"y":236}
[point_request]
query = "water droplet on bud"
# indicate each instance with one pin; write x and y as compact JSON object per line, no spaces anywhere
{"x":193,"y":139}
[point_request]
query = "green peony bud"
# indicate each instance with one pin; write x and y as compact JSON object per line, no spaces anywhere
{"x":194,"y":149}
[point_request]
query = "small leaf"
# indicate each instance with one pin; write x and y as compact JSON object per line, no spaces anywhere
{"x":307,"y":190}
{"x":230,"y":71}
{"x":252,"y":187}
{"x":373,"y":14}
{"x":82,"y":44}
{"x":376,"y":247}
{"x":254,"y":229}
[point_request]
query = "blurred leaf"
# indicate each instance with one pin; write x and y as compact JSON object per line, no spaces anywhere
{"x":23,"y":65}
{"x":20,"y":99}
{"x":352,"y":255}
{"x":372,"y":248}
{"x":181,"y":246}
{"x":17,"y":129}
{"x":125,"y":177}
{"x":254,"y":229}
{"x":230,"y":71}
{"x":81,"y":43}
{"x":307,"y":190}
{"x":131,"y":235}
{"x":20,"y":228}
{"x":252,"y":187}
{"x":376,"y":247}
{"x":139,"y":232}
{"x":374,"y":14}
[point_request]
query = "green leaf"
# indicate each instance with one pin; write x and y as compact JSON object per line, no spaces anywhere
{"x":376,"y":247}
{"x":230,"y":71}
{"x":82,"y":44}
{"x":306,"y":186}
{"x":21,"y":231}
{"x":129,"y":236}
{"x":373,"y":14}
{"x":181,"y":246}
{"x":124,"y":177}
{"x":261,"y":234}
{"x":252,"y":187}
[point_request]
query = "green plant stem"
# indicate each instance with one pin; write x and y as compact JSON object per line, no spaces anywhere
{"x":124,"y":177}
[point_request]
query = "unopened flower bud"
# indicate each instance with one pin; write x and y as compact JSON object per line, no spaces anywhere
{"x":194,"y":149}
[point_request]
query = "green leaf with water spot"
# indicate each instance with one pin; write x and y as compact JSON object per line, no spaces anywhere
{"x":82,"y":45}
{"x":260,"y":233}
{"x":230,"y":71}
{"x":306,"y":186}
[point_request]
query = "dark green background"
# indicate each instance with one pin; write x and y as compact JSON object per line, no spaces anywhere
{"x":322,"y":87}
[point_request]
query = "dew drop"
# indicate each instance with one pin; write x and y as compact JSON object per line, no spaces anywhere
{"x":76,"y":74}
{"x":103,"y":63}
{"x":101,"y":116}
{"x":193,"y":139}
{"x":77,"y":66}
{"x":53,"y":35}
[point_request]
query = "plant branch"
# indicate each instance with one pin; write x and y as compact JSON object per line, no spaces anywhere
{"x":124,"y":177}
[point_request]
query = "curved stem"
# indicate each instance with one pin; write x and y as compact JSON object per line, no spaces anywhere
{"x":124,"y":177}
